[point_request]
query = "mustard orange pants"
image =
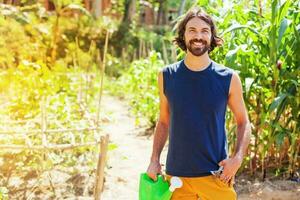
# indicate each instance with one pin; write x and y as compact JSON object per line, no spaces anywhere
{"x":203,"y":188}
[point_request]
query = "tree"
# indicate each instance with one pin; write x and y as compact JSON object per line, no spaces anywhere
{"x":97,"y":8}
{"x":162,"y":15}
{"x":130,"y":10}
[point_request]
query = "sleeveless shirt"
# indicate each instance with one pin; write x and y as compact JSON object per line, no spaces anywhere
{"x":197,"y":103}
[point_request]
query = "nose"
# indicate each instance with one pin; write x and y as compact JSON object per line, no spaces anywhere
{"x":198,"y":35}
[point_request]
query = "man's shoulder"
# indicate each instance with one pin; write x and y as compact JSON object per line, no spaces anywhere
{"x":171,"y":68}
{"x":222,"y":70}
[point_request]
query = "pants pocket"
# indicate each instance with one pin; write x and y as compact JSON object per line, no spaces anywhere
{"x":222,"y":184}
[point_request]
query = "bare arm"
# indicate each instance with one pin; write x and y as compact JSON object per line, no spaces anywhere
{"x":160,"y":138}
{"x":237,"y":106}
{"x":161,"y":132}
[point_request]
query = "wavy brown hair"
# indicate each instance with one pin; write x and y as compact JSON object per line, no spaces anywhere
{"x":181,"y":25}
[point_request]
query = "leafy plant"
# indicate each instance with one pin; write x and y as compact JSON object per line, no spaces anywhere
{"x":262,"y":45}
{"x":139,"y":84}
{"x":3,"y":193}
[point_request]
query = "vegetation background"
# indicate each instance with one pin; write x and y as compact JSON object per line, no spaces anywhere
{"x":58,"y":56}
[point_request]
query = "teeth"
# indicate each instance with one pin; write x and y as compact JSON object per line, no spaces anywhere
{"x":198,"y":43}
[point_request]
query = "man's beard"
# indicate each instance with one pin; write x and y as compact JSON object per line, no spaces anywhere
{"x":197,"y":51}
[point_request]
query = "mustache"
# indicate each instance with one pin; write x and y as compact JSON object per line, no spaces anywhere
{"x":198,"y":40}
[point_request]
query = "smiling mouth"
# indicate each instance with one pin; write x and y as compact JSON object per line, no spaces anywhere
{"x":198,"y":44}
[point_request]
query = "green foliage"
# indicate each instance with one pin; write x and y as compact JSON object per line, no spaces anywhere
{"x":114,"y":66}
{"x":139,"y":84}
{"x":65,"y":95}
{"x":3,"y":193}
{"x":264,"y":49}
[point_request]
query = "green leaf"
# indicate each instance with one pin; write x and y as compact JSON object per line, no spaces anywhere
{"x":296,"y":31}
{"x":277,"y":101}
{"x":112,"y":146}
{"x":203,"y":3}
{"x":14,"y":13}
{"x":283,"y":26}
{"x":283,"y":10}
{"x":3,"y":193}
{"x":279,"y":138}
{"x":248,"y":82}
{"x":233,"y":52}
{"x":235,"y":27}
{"x":78,"y":8}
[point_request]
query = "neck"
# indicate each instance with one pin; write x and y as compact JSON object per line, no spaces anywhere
{"x":197,"y":63}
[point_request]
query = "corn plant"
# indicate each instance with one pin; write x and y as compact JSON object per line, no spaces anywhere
{"x":263,"y":46}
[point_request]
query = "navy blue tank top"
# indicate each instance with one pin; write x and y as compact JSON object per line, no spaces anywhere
{"x":197,"y":133}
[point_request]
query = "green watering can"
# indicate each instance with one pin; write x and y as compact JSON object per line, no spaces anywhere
{"x":157,"y":190}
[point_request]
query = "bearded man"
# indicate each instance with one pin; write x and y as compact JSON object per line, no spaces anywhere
{"x":194,"y":94}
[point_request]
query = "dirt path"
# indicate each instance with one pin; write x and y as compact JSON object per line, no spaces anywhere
{"x":132,"y":154}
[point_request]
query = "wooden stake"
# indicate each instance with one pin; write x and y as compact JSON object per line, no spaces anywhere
{"x":102,"y":77}
{"x":100,"y":167}
{"x":43,"y":123}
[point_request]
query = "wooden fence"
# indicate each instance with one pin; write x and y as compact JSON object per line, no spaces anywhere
{"x":102,"y":142}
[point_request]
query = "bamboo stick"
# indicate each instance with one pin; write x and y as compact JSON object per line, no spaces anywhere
{"x":56,"y":33}
{"x":87,"y":77}
{"x":100,"y":167}
{"x":36,"y":120}
{"x":48,"y":147}
{"x":50,"y":131}
{"x":43,"y":122}
{"x":102,"y":76}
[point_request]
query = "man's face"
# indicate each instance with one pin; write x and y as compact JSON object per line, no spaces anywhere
{"x":197,"y":36}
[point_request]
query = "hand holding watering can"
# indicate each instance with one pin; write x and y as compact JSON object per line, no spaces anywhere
{"x":159,"y":189}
